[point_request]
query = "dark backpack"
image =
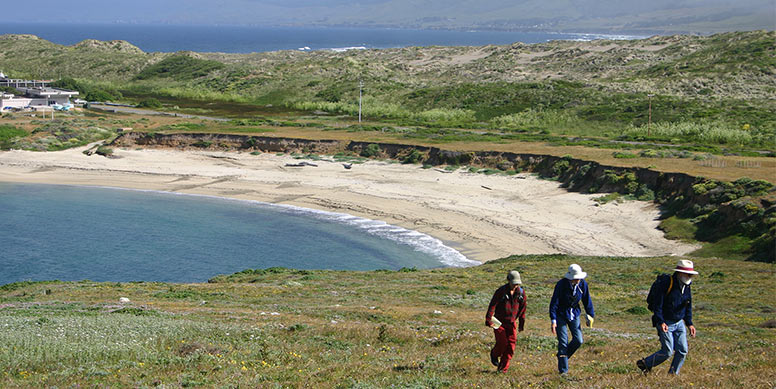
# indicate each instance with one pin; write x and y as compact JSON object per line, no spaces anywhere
{"x":660,"y":281}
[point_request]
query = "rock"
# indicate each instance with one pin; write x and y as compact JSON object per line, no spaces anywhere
{"x":123,"y":300}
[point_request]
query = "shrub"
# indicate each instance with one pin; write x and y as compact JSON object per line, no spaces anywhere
{"x":105,"y":151}
{"x":180,"y":67}
{"x":533,"y":119}
{"x":370,"y":150}
{"x":616,"y":197}
{"x":202,"y":143}
{"x":9,"y":132}
{"x":150,"y":103}
{"x":446,"y":116}
{"x":560,"y":167}
{"x":643,"y":193}
{"x":637,"y":310}
{"x":415,"y":156}
{"x":623,"y":155}
{"x":704,"y":132}
{"x":89,"y":91}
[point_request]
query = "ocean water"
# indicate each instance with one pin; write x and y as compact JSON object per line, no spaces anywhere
{"x":247,"y":39}
{"x":104,"y":234}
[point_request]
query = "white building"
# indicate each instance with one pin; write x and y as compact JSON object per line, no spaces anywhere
{"x":35,"y":94}
{"x":36,"y":97}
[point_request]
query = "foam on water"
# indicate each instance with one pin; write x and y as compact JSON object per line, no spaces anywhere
{"x":420,"y":242}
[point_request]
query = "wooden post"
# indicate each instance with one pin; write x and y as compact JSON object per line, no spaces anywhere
{"x":360,"y":89}
{"x":649,"y":120}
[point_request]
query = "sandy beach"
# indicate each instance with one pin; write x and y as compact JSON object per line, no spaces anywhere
{"x":485,"y":217}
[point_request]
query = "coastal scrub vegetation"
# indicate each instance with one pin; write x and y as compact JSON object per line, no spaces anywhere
{"x":89,"y":90}
{"x":8,"y":134}
{"x":419,"y":328}
{"x":57,"y":134}
{"x":594,"y":92}
{"x":180,"y":67}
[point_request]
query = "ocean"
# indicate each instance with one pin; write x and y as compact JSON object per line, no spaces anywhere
{"x":247,"y":39}
{"x":105,"y":234}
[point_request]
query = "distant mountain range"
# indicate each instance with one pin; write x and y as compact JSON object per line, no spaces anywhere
{"x":610,"y":16}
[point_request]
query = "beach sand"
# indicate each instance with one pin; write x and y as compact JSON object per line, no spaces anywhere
{"x":485,"y":217}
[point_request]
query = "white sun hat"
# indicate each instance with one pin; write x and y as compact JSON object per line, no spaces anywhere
{"x":575,"y":272}
{"x":685,"y":266}
{"x":514,"y":278}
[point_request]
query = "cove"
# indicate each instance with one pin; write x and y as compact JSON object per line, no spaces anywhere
{"x":105,"y":234}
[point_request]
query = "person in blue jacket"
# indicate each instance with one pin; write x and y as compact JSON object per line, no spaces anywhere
{"x":672,"y":311}
{"x":565,"y":312}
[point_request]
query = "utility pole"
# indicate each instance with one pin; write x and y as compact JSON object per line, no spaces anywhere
{"x":649,"y":120}
{"x":360,"y":93}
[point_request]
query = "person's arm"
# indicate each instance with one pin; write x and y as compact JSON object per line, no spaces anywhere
{"x":688,"y":312}
{"x":492,"y":307}
{"x":521,"y":313}
{"x":587,"y":301}
{"x":658,"y":312}
{"x":554,"y":302}
{"x":554,"y":306}
{"x":688,"y":316}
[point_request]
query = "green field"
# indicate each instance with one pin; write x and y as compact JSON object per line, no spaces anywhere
{"x":408,"y":328}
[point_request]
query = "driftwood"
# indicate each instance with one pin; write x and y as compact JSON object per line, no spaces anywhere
{"x":301,"y":164}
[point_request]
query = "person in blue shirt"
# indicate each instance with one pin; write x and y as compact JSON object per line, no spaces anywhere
{"x":672,"y":311}
{"x":565,"y":312}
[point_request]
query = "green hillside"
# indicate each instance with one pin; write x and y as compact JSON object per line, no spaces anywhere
{"x":726,"y":80}
{"x":413,"y":329}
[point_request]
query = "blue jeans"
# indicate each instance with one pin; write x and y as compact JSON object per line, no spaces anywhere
{"x":673,"y":342}
{"x":565,"y":348}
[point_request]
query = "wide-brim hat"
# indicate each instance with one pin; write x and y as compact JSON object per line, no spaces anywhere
{"x":575,"y":272}
{"x":685,"y":266}
{"x":514,"y":278}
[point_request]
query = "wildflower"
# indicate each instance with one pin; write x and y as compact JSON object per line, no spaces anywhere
{"x":244,"y":368}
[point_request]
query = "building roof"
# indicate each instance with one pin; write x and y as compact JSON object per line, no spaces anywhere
{"x":47,"y":92}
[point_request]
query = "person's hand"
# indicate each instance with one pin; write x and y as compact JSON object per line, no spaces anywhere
{"x":488,"y":323}
{"x":589,"y":321}
{"x":692,"y":331}
{"x":664,"y":327}
{"x":553,"y":327}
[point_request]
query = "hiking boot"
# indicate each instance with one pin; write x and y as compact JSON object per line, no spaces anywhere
{"x":494,"y":359}
{"x":642,"y":365}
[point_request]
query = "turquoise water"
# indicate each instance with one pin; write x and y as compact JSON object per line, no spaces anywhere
{"x":104,"y":234}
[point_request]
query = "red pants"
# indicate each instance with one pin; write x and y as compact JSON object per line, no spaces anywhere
{"x":505,"y":345}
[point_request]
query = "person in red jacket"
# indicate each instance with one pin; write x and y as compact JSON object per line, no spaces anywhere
{"x":507,"y":305}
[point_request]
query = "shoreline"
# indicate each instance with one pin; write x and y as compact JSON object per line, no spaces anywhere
{"x":483,"y":217}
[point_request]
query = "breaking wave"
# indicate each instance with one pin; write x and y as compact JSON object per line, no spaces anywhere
{"x":418,"y":241}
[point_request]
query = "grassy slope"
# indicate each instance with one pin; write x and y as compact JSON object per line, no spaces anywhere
{"x":372,"y":329}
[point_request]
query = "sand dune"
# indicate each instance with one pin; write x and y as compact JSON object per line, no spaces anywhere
{"x":484,"y":217}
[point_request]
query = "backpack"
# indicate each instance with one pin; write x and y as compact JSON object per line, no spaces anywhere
{"x":661,"y":280}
